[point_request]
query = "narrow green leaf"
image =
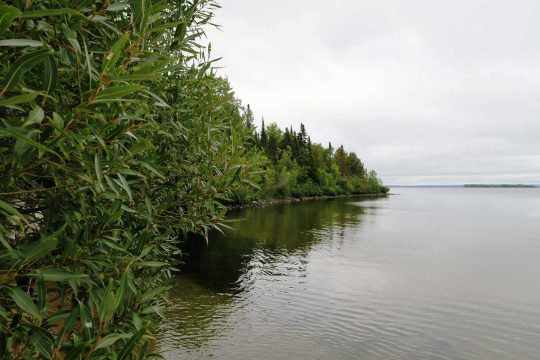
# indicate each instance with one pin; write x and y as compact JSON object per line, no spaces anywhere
{"x":116,"y":6}
{"x":21,"y":42}
{"x":50,"y":75}
{"x":58,"y":275}
{"x":136,"y":77}
{"x":49,"y":12}
{"x":42,"y":339}
{"x":143,"y":352}
{"x":68,"y":326}
{"x":110,"y":340}
{"x":19,"y":99}
{"x":7,"y":15}
{"x":154,"y":264}
{"x":116,"y":92}
{"x":28,"y":141}
{"x":39,"y":250}
{"x":125,"y":186}
{"x":114,"y":53}
{"x":121,"y":292}
{"x":130,"y":344}
{"x":23,"y":65}
{"x":9,"y":209}
{"x":107,"y":306}
{"x":99,"y":173}
{"x":42,"y":292}
{"x":4,"y":242}
{"x":152,"y":169}
{"x":24,"y":302}
{"x":154,"y":309}
{"x":59,"y":316}
{"x":152,"y":294}
{"x":140,"y":16}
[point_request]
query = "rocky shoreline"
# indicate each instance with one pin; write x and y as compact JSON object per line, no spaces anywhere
{"x":268,"y":202}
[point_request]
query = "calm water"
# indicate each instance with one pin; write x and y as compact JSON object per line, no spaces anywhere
{"x":424,"y":274}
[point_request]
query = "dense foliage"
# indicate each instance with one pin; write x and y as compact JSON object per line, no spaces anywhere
{"x":295,"y":167}
{"x":116,"y":140}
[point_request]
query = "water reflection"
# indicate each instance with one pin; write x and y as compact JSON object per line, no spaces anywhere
{"x":266,"y":244}
{"x":273,"y":240}
{"x":429,"y":274}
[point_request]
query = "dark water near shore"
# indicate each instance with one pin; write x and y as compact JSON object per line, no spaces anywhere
{"x":424,"y":274}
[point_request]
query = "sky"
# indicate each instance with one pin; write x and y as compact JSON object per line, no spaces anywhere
{"x":424,"y":91}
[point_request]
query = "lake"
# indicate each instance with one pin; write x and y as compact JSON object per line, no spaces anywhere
{"x":422,"y":274}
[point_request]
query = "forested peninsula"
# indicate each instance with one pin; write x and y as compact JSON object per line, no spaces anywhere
{"x":290,"y":165}
{"x":117,"y":139}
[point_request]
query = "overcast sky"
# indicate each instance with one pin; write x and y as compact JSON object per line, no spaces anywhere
{"x":424,"y":91}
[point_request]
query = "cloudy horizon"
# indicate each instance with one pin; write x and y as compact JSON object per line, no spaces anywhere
{"x":425,"y":92}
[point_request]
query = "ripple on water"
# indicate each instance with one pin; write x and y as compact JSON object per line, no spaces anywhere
{"x":346,"y":282}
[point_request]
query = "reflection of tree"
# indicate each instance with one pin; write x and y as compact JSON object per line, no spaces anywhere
{"x":264,"y":239}
{"x":267,"y":243}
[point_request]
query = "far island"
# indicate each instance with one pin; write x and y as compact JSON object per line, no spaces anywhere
{"x":499,"y":186}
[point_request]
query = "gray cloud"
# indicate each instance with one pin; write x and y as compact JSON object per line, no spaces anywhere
{"x":424,"y":91}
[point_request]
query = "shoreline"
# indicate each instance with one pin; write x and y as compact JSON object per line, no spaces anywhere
{"x":268,"y":202}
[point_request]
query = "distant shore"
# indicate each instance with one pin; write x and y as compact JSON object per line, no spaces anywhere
{"x":520,"y":186}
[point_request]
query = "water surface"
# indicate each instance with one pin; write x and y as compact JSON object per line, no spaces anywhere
{"x":423,"y":274}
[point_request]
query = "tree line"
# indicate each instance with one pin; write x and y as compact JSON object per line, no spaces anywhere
{"x":292,"y":166}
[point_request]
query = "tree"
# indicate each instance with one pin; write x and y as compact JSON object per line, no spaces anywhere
{"x":341,"y":161}
{"x":264,"y":138}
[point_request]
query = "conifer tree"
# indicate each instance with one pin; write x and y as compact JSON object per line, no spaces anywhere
{"x":264,"y":138}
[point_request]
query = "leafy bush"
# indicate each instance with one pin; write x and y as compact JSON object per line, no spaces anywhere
{"x":115,"y":139}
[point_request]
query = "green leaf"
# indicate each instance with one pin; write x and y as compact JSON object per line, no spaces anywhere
{"x":154,"y":264}
{"x":117,"y":6}
{"x":38,"y":251}
{"x":154,"y":309}
{"x":9,"y":209}
{"x":68,"y":326}
{"x":42,"y":292}
{"x":107,"y":305}
{"x":99,"y":173}
{"x":59,"y":316}
{"x":140,"y":10}
{"x":21,"y":42}
{"x":4,"y":242}
{"x":110,"y":340}
{"x":7,"y":15}
{"x":152,"y":294}
{"x":136,"y":77}
{"x":19,"y":99}
{"x":24,"y":302}
{"x":42,"y":339}
{"x":125,"y":186}
{"x":49,"y":12}
{"x":50,"y":75}
{"x":58,"y":275}
{"x":28,"y":141}
{"x":116,"y":92}
{"x":114,"y":53}
{"x":23,"y":65}
{"x":121,"y":292}
{"x":35,"y":117}
{"x":152,"y":169}
{"x":130,"y":344}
